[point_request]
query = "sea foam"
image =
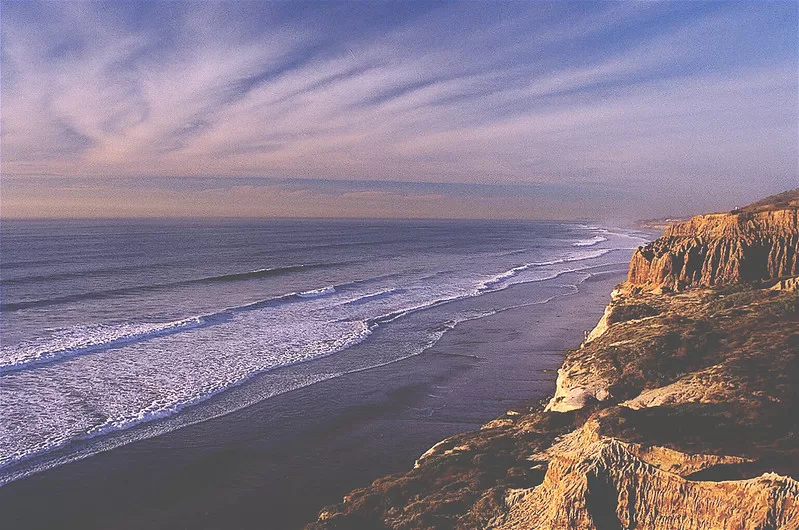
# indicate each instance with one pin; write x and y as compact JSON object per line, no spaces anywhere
{"x":87,"y":381}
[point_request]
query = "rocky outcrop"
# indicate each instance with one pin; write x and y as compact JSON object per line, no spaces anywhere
{"x":609,"y":484}
{"x":677,"y":411}
{"x":788,"y":284}
{"x":750,"y":245}
{"x":583,"y":378}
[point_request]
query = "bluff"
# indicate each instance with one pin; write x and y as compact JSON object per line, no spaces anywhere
{"x":756,"y":243}
{"x":678,"y":411}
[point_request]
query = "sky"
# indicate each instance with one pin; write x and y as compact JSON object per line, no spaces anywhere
{"x":530,"y":110}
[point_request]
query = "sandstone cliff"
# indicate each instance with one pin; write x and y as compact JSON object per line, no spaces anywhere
{"x":678,"y":411}
{"x":754,"y":244}
{"x":604,"y":483}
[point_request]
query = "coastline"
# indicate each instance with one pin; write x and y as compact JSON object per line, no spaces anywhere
{"x":676,"y":411}
{"x":285,"y":457}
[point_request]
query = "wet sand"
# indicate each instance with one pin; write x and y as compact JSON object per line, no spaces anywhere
{"x":274,"y":464}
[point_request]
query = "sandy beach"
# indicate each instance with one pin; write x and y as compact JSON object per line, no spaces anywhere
{"x":282,"y":459}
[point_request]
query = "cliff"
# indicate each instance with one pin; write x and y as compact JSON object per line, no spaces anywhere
{"x":678,"y":411}
{"x":754,"y":244}
{"x":605,"y":483}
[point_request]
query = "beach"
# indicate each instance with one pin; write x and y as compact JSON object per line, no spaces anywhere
{"x":274,"y":464}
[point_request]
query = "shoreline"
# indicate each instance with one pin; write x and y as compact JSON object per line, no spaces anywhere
{"x":677,"y":410}
{"x":289,"y":455}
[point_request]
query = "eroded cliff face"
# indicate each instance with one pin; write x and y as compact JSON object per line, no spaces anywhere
{"x":678,"y":411}
{"x":594,"y":483}
{"x":720,"y":249}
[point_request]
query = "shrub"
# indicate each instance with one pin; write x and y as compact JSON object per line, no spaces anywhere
{"x":786,"y":305}
{"x":625,"y":312}
{"x":735,"y":299}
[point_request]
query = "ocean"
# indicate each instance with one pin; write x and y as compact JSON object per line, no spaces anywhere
{"x":117,"y":330}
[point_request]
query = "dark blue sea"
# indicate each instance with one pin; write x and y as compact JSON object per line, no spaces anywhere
{"x":118,"y":330}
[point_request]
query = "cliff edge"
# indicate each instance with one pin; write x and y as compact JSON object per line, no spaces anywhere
{"x":678,"y":411}
{"x":752,"y":244}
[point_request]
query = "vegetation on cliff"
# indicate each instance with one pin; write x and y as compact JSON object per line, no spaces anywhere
{"x":679,"y":411}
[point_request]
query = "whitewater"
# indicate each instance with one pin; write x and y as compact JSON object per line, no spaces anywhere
{"x":114,"y":331}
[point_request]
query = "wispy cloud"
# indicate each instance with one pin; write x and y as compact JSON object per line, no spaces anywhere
{"x":651,"y":98}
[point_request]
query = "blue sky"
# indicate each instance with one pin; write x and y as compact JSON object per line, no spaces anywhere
{"x":401,"y":109}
